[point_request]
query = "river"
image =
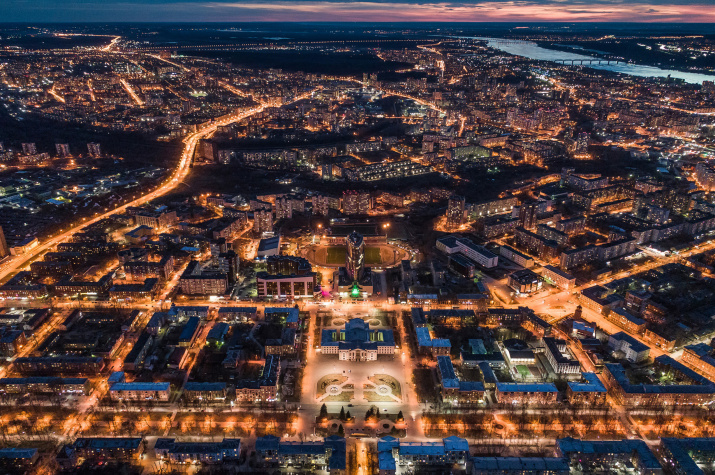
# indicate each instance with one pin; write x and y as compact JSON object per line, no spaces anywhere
{"x":531,"y":50}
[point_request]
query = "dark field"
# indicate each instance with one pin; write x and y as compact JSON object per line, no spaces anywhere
{"x":309,"y":61}
{"x":132,"y":147}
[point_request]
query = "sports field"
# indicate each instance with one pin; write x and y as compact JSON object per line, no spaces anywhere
{"x":336,"y":256}
{"x":372,"y":256}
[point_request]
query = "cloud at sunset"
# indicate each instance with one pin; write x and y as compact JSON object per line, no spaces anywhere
{"x":367,"y":11}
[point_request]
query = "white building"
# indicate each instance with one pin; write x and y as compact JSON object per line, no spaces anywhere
{"x":480,"y":255}
{"x":357,"y":342}
{"x":634,"y":350}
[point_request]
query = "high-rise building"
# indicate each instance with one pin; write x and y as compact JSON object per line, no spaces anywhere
{"x":320,"y":205}
{"x":356,"y":202}
{"x":94,"y":150}
{"x":284,"y":208}
{"x":29,"y":149}
{"x":705,"y":176}
{"x":323,"y":203}
{"x":582,"y":141}
{"x":455,"y":211}
{"x":4,"y":251}
{"x":228,"y":262}
{"x":527,"y":215}
{"x":263,"y":221}
{"x":63,"y":149}
{"x":206,"y":151}
{"x":355,"y":255}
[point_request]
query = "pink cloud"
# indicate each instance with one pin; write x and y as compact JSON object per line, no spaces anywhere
{"x":444,"y":12}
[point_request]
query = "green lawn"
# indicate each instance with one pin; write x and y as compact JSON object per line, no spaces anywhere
{"x":523,"y":370}
{"x":372,"y":256}
{"x":336,"y":255}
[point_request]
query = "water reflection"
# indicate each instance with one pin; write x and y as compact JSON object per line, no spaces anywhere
{"x":531,"y":50}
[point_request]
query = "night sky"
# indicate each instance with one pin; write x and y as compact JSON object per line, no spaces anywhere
{"x":702,"y":11}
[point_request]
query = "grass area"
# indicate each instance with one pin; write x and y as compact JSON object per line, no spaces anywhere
{"x":387,"y":380}
{"x":372,"y":396}
{"x":471,"y":374}
{"x":372,"y":256}
{"x":336,"y":255}
{"x":425,"y":384}
{"x":329,"y":379}
{"x":345,"y":396}
{"x":503,"y":376}
{"x":523,"y":370}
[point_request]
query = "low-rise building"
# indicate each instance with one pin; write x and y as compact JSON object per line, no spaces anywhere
{"x":428,"y":345}
{"x":197,"y":452}
{"x":59,"y":365}
{"x":122,"y":448}
{"x":194,"y":281}
{"x":526,"y":393}
{"x":589,"y":392}
{"x":195,"y":391}
{"x":686,"y":456}
{"x":607,"y":454}
{"x":328,"y":455}
{"x":135,"y":358}
{"x":516,"y":257}
{"x":524,"y":281}
{"x":454,"y":390}
{"x":143,"y":291}
{"x":701,"y":358}
{"x":556,"y":353}
{"x":238,"y":314}
{"x":520,"y":466}
{"x":599,"y":299}
{"x":279,"y":285}
{"x":45,"y":385}
{"x":18,"y":460}
{"x":139,"y":391}
{"x":394,"y":452}
{"x":189,"y":332}
{"x":696,"y":390}
{"x":633,"y":350}
{"x":478,"y":254}
{"x":265,"y":387}
{"x":559,"y":278}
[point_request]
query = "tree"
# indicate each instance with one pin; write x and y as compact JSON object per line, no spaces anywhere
{"x":341,"y":431}
{"x":348,"y":416}
{"x":323,"y":411}
{"x":342,"y":413}
{"x":400,"y":417}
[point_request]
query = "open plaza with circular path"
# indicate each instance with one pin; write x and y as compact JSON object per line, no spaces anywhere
{"x":376,"y":388}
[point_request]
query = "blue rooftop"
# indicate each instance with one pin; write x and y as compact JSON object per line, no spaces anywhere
{"x":164,"y":386}
{"x":526,"y":387}
{"x":648,"y":461}
{"x":592,"y":384}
